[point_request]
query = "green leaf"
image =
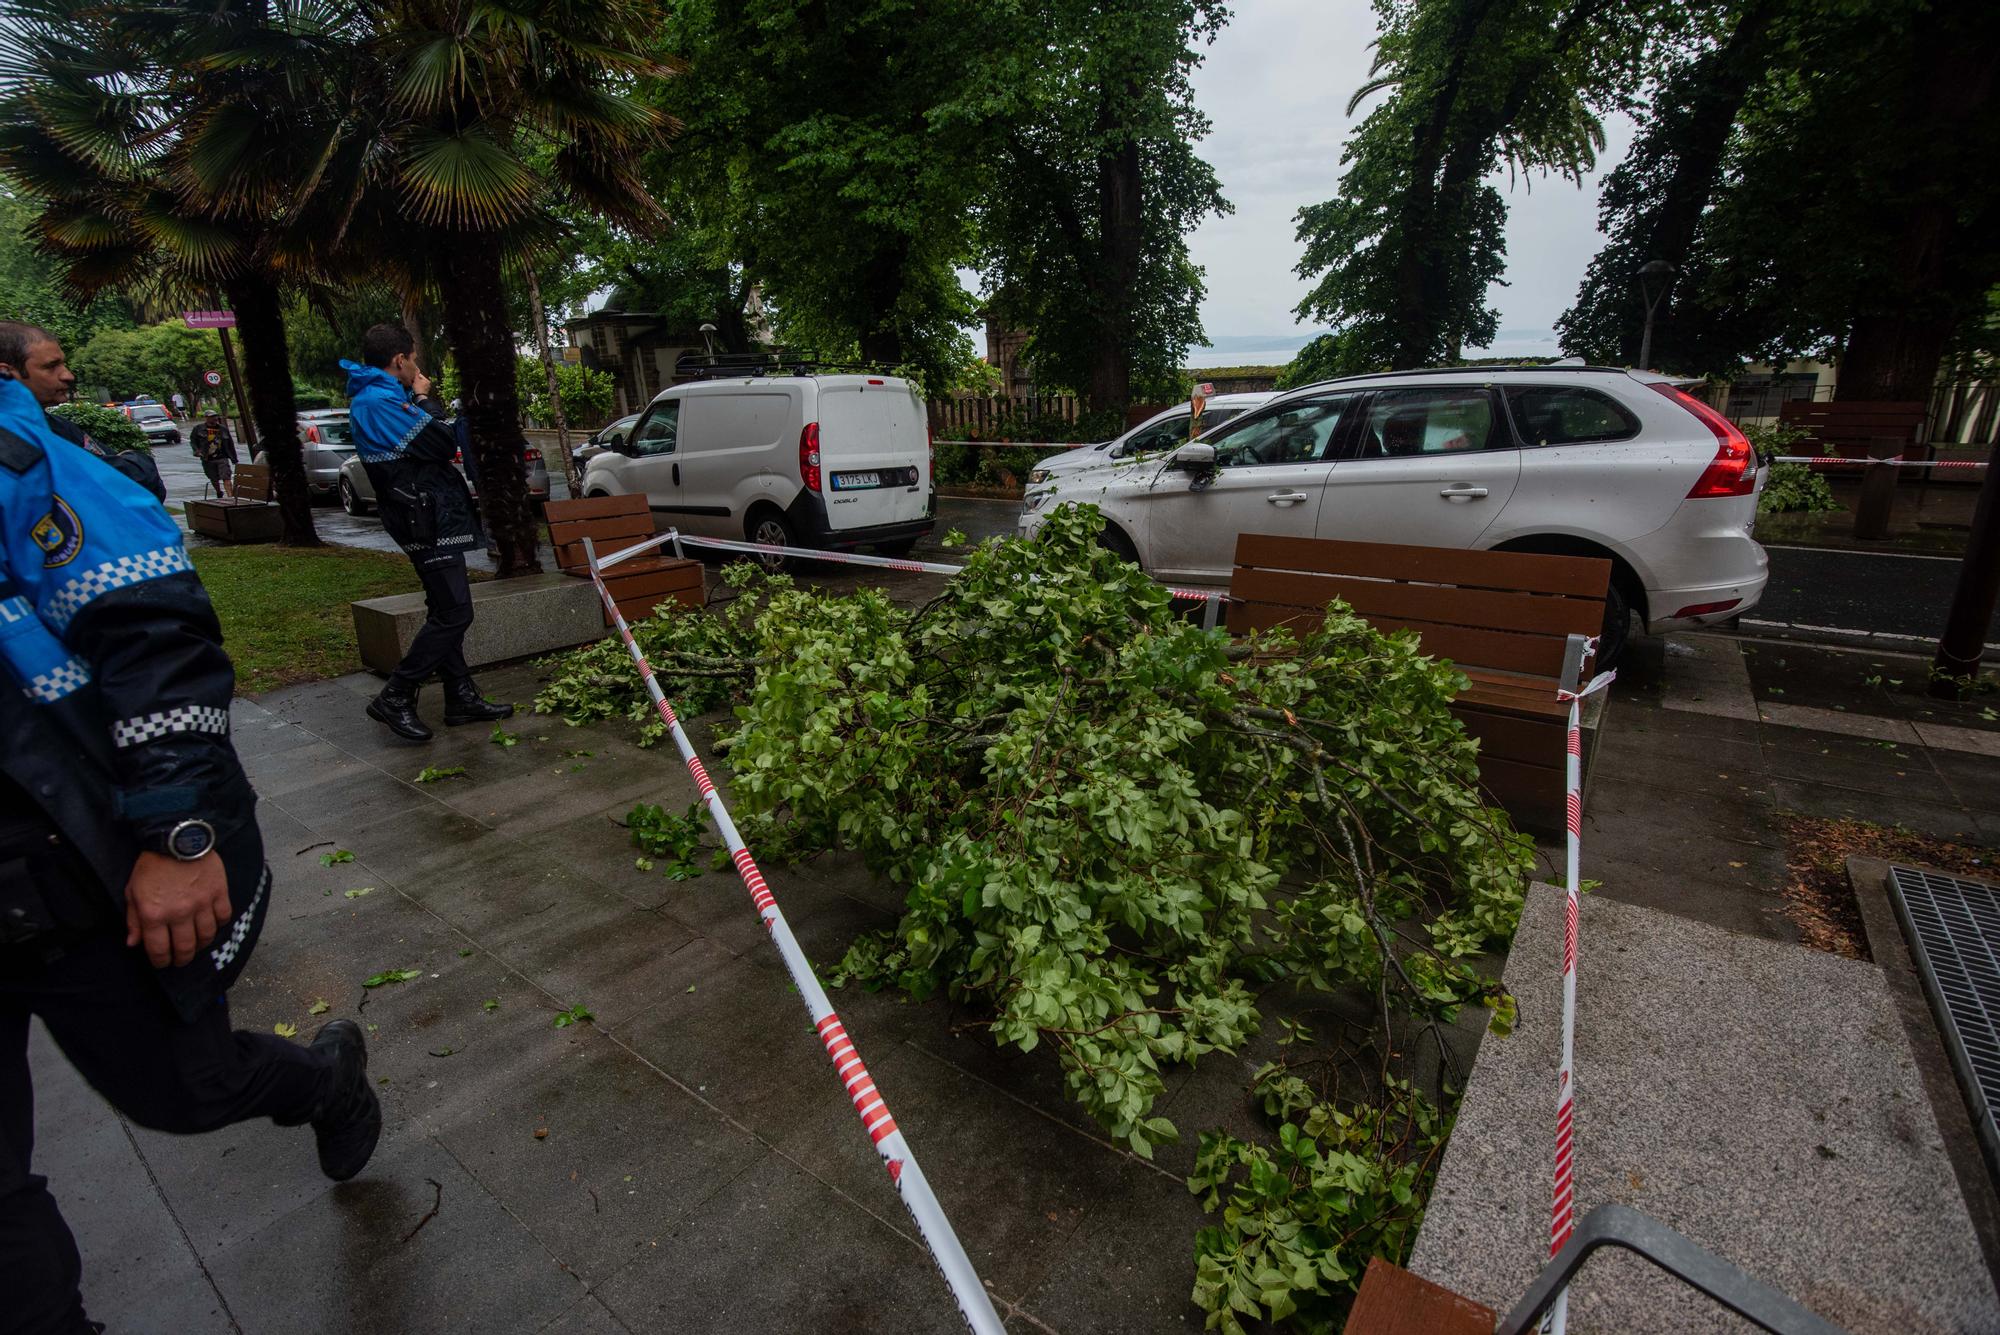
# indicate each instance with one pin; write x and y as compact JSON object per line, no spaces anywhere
{"x":283,"y":1030}
{"x":392,"y":976}
{"x":574,"y":1015}
{"x":490,"y":1005}
{"x":364,"y":890}
{"x":329,"y":859}
{"x":433,"y":773}
{"x":502,"y":738}
{"x":318,"y":1007}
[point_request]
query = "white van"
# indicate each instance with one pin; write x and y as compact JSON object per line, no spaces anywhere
{"x":827,"y":461}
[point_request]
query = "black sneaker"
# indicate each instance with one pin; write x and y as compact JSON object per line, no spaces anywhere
{"x":349,"y":1120}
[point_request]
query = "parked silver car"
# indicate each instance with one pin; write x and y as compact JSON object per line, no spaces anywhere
{"x":607,"y":437}
{"x":327,"y":441}
{"x":155,"y":421}
{"x":357,"y":493}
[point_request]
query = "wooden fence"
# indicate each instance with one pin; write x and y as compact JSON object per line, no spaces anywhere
{"x":983,"y":415}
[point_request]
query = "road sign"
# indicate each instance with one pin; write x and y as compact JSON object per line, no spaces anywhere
{"x":209,"y":319}
{"x":572,"y":353}
{"x":211,"y":378}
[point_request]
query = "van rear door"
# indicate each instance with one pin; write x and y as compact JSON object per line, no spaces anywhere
{"x":874,"y":452}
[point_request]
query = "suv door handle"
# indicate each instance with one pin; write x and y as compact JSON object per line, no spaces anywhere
{"x":677,"y":475}
{"x":1286,"y":497}
{"x":1461,"y":491}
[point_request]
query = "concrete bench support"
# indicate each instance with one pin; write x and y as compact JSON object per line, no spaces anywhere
{"x":512,"y":618}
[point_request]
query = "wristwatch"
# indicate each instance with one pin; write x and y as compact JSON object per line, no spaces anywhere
{"x":188,"y":841}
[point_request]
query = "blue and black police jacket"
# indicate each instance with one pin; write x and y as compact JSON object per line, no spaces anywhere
{"x":118,"y":726}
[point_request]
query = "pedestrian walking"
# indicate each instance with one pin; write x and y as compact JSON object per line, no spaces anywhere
{"x":31,"y":355}
{"x":406,"y":444}
{"x":216,"y":448}
{"x":132,"y":877}
{"x":180,"y":405}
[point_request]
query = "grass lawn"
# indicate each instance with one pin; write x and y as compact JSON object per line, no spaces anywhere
{"x":284,"y":610}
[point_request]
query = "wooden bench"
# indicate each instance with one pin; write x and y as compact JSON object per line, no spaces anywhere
{"x":637,"y":585}
{"x":1392,"y":1301}
{"x":1503,"y":618}
{"x":246,"y":514}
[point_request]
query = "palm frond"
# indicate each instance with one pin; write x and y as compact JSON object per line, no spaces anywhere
{"x":465,"y":180}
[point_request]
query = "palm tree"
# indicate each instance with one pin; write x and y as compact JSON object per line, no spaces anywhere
{"x":495,"y":112}
{"x":178,"y":148}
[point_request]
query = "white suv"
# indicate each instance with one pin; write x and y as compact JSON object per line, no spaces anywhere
{"x":1569,"y":460}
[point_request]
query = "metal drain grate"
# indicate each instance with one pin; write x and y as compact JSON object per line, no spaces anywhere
{"x":1953,"y":928}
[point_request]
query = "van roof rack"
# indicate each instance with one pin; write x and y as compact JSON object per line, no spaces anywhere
{"x":735,"y":365}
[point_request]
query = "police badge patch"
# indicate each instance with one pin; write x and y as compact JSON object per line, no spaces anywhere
{"x":59,"y":534}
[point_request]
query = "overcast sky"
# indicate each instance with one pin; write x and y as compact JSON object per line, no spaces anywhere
{"x":1275,"y":86}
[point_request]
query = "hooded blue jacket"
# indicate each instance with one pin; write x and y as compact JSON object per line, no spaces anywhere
{"x":118,"y":726}
{"x":406,"y":445}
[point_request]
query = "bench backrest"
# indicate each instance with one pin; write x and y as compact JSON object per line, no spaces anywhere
{"x":610,"y":522}
{"x":1510,"y":612}
{"x":1850,"y":427}
{"x":251,"y":482}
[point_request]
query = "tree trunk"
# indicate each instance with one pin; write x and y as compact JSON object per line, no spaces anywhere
{"x":1899,"y":338}
{"x":1120,"y":237}
{"x":267,"y":375}
{"x":571,"y":473}
{"x":475,"y":298}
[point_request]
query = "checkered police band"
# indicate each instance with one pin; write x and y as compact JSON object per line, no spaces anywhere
{"x":166,"y":723}
{"x":66,"y":678}
{"x":78,"y":591}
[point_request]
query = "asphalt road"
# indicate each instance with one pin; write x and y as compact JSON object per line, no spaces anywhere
{"x":1860,"y":591}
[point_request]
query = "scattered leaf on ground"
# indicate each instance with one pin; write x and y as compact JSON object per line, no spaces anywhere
{"x":432,"y":773}
{"x":464,"y":952}
{"x":364,"y":890}
{"x":393,"y":976}
{"x":328,"y":859}
{"x":1817,"y":895}
{"x":690,"y":987}
{"x":574,"y":1015}
{"x":490,"y":1004}
{"x":501,"y":737}
{"x":318,"y":1007}
{"x":643,"y":864}
{"x":541,"y":1133}
{"x":442,"y":1052}
{"x":283,"y":1030}
{"x":572,"y":755}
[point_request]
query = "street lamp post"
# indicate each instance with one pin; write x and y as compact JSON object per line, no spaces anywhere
{"x":1655,"y":277}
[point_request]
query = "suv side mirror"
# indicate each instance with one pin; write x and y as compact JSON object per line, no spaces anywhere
{"x":1194,"y":457}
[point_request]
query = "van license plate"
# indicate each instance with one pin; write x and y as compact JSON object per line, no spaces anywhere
{"x":855,"y":481}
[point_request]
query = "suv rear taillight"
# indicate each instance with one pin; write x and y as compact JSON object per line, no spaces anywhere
{"x":1733,"y":470}
{"x":809,"y":456}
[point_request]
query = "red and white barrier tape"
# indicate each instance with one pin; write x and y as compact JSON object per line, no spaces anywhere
{"x":856,"y":558}
{"x":1829,"y":460}
{"x":911,"y":1185}
{"x":1562,"y":1218}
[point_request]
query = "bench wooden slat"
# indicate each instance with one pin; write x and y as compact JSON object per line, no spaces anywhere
{"x":1524,"y":572}
{"x":638,"y":526}
{"x":1535,"y":654}
{"x":1492,"y":609}
{"x":596,"y":507}
{"x":670,"y":578}
{"x":1506,"y":736}
{"x":1392,"y":1301}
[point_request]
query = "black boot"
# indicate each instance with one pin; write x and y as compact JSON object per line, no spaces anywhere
{"x":464,"y":704}
{"x":397,"y":707}
{"x":349,"y":1120}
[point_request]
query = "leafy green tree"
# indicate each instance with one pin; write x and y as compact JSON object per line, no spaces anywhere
{"x":31,"y":285}
{"x":586,"y":395}
{"x":160,"y":360}
{"x":110,"y":427}
{"x":325,"y":324}
{"x":1881,"y":115}
{"x":1404,"y":256}
{"x":1096,"y":187}
{"x":174,"y":144}
{"x":832,"y":153}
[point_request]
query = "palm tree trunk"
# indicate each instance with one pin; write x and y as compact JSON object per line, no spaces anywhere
{"x":267,"y":374}
{"x":475,"y":308}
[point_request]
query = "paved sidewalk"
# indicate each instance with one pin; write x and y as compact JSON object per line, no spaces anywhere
{"x":701,"y":1169}
{"x":1691,"y":776}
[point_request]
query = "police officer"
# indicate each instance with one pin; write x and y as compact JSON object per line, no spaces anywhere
{"x":406,"y":444}
{"x":132,"y":876}
{"x":32,"y":356}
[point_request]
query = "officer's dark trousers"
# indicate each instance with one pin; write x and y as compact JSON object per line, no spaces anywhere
{"x":439,"y":644}
{"x":116,"y":1027}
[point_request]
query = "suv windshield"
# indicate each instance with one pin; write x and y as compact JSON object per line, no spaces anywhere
{"x":150,"y":412}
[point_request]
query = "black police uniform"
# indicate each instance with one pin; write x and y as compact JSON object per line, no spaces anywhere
{"x":116,"y":720}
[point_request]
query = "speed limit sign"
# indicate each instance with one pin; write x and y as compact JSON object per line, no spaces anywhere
{"x":211,"y":378}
